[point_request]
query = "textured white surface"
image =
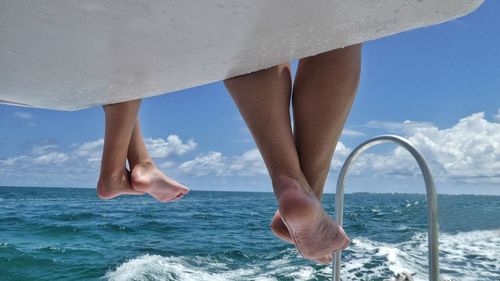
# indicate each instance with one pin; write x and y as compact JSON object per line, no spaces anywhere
{"x":70,"y":54}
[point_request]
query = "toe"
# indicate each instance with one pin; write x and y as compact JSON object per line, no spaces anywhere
{"x":184,"y":190}
{"x":346,"y":244}
{"x":177,"y":197}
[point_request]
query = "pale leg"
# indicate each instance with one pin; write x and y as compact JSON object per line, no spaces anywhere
{"x":145,"y":176}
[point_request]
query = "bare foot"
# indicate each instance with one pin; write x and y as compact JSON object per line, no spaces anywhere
{"x":310,"y":228}
{"x":109,"y":187}
{"x":279,"y":229}
{"x":147,"y":178}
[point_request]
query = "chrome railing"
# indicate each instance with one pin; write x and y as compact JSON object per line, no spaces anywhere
{"x":432,"y":222}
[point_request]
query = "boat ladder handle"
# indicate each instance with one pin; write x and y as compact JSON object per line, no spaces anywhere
{"x":431,"y":200}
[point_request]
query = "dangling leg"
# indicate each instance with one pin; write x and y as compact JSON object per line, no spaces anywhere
{"x":145,"y":176}
{"x":114,"y":179}
{"x":263,"y":99}
{"x":324,"y":90}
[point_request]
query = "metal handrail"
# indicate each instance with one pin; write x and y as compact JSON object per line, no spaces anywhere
{"x":432,"y":222}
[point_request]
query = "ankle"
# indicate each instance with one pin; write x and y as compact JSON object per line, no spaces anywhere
{"x":146,"y":163}
{"x":107,"y":176}
{"x":282,"y":183}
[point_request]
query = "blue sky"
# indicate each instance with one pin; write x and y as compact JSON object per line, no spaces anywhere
{"x":438,"y":86}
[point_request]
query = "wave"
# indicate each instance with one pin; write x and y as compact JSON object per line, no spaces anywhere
{"x":464,"y":256}
{"x":155,"y":267}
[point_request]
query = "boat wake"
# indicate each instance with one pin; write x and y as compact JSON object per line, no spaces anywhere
{"x":463,"y":256}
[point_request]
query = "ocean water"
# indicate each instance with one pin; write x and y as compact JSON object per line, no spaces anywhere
{"x":69,"y":234}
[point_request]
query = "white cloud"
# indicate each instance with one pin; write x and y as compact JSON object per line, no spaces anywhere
{"x":89,"y":151}
{"x":215,"y":163}
{"x":51,"y":168}
{"x":467,"y":152}
{"x":167,"y":165}
{"x":43,"y":149}
{"x":398,"y":163}
{"x":173,"y":145}
{"x":51,"y":158}
{"x":23,"y":115}
{"x":13,"y":160}
{"x":471,"y":148}
{"x":248,"y":164}
{"x":352,"y":133}
{"x":211,"y":163}
{"x":339,"y":156}
{"x":77,"y":165}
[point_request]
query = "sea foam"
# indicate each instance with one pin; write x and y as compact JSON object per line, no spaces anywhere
{"x":155,"y":267}
{"x":477,"y":252}
{"x":463,"y":256}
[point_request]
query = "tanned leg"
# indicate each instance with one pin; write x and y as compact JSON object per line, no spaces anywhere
{"x":324,"y":90}
{"x":263,"y":99}
{"x":114,"y":179}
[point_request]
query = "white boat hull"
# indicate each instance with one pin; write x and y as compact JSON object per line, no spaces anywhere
{"x":68,"y":54}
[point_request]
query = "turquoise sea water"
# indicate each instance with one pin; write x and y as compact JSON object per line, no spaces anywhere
{"x":69,"y":234}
